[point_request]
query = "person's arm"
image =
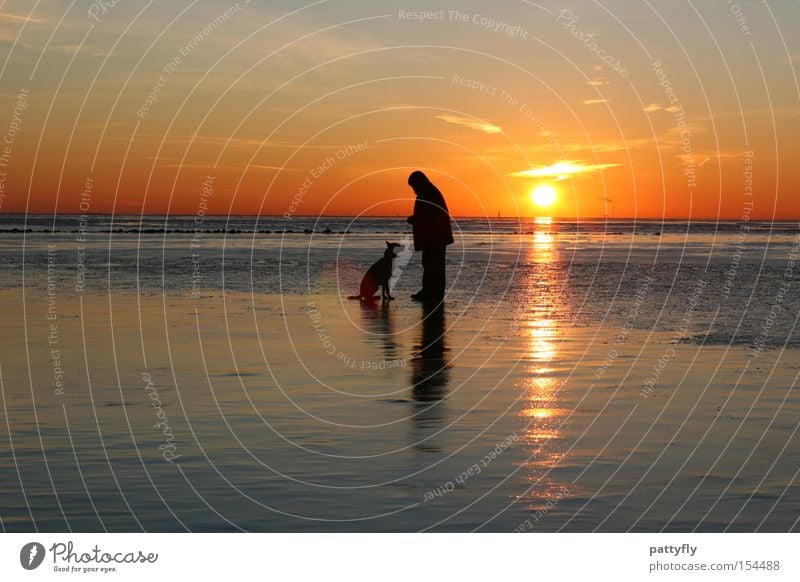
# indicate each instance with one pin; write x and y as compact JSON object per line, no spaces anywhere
{"x":416,"y":217}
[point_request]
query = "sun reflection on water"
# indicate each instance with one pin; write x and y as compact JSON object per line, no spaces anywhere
{"x":542,"y":412}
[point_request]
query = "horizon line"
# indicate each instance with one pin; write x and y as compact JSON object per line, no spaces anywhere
{"x":486,"y":217}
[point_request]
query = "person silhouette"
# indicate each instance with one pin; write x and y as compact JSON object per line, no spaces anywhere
{"x":432,"y":233}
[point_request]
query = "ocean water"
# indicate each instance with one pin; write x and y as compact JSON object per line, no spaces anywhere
{"x":209,"y":374}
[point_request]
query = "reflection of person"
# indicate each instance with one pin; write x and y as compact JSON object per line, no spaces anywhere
{"x":430,"y":375}
{"x":432,"y":234}
{"x":429,"y":366}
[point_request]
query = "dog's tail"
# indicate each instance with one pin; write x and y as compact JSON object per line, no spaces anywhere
{"x":354,"y":296}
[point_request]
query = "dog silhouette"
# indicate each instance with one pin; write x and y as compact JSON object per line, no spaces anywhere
{"x":378,"y":275}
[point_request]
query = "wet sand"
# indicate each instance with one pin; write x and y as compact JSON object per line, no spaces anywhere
{"x":568,"y":384}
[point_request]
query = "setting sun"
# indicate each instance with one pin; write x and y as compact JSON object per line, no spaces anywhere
{"x":543,"y":195}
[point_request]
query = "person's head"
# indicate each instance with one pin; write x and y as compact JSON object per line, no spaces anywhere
{"x":418,"y":181}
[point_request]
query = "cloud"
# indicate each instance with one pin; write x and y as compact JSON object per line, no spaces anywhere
{"x":594,"y":101}
{"x":471,"y":123}
{"x":651,"y":107}
{"x":562,"y":170}
{"x":7,"y":16}
{"x":224,"y":168}
{"x":702,"y":157}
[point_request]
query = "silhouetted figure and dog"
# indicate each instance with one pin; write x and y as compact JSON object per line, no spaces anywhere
{"x":432,"y":233}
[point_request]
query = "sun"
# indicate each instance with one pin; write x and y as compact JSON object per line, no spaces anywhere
{"x":543,"y":195}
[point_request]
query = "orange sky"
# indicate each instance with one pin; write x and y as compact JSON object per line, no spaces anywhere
{"x":653,"y":111}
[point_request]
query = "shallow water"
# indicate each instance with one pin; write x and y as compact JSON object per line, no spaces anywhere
{"x":580,"y":377}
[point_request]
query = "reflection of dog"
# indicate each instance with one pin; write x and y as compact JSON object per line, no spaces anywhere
{"x":378,"y":275}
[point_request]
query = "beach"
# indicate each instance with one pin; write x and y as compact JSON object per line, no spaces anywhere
{"x":173,"y":374}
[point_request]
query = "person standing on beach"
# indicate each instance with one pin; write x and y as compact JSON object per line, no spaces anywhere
{"x":432,"y":233}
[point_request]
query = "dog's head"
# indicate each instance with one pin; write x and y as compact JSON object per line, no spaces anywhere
{"x":392,"y":247}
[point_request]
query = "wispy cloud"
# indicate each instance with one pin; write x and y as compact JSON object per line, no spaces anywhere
{"x":651,"y":107}
{"x":580,"y":148}
{"x":702,"y":157}
{"x":471,"y":123}
{"x":562,"y":170}
{"x":271,"y":168}
{"x":16,"y":18}
{"x":225,"y":168}
{"x":594,"y":101}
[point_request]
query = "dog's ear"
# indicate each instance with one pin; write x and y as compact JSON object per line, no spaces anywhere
{"x":388,"y":244}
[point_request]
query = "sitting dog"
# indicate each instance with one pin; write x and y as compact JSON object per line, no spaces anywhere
{"x":378,"y":275}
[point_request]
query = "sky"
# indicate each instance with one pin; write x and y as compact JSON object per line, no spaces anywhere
{"x":653,"y":109}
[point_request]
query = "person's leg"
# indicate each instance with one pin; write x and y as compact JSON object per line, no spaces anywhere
{"x":427,"y":272}
{"x":433,"y":274}
{"x":437,"y":278}
{"x":443,"y":270}
{"x":433,"y":277}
